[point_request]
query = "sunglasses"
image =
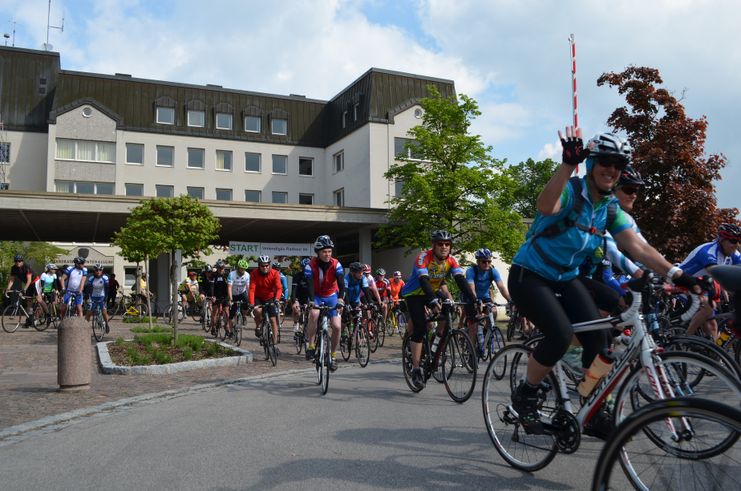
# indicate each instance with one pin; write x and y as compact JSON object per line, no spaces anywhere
{"x":484,"y":260}
{"x":733,"y":241}
{"x":629,"y":190}
{"x":617,"y":164}
{"x":444,"y":244}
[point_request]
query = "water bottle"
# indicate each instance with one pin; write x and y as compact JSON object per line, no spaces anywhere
{"x":435,"y":342}
{"x":723,"y":337}
{"x":599,"y":368}
{"x":653,"y":322}
{"x":480,"y":336}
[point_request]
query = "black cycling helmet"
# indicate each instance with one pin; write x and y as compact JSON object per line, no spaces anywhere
{"x":219,"y":264}
{"x":356,"y":267}
{"x":439,"y":235}
{"x":207,"y":269}
{"x":729,"y":231}
{"x":323,"y":242}
{"x":275,"y":265}
{"x":17,"y":258}
{"x":79,"y":260}
{"x":630,"y":177}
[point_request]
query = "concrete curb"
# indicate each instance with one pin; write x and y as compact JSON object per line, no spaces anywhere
{"x":107,"y":365}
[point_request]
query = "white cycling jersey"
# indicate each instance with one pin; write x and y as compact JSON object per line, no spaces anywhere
{"x":240,"y":283}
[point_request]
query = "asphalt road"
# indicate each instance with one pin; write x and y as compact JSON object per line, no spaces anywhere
{"x":368,"y":432}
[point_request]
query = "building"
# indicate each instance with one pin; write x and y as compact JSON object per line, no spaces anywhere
{"x":273,"y":168}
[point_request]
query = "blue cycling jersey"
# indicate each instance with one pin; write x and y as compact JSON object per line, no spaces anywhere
{"x":355,"y":287}
{"x":705,"y":255}
{"x":482,"y":280}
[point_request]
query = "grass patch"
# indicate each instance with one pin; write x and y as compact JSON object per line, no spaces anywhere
{"x":156,"y":348}
{"x":131,"y":319}
{"x":144,"y":329}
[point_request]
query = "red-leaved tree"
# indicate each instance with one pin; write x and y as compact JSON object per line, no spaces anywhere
{"x":677,"y":210}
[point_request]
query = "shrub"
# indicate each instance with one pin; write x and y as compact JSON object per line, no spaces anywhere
{"x":146,"y":330}
{"x":138,"y":320}
{"x":119,"y":341}
{"x":188,"y":353}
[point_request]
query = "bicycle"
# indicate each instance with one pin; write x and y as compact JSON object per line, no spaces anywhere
{"x":238,"y":325}
{"x":71,"y":305}
{"x":691,"y":463}
{"x":53,"y":317}
{"x":323,"y":348}
{"x":98,"y":323}
{"x":516,"y":325}
{"x":174,"y":309}
{"x":298,"y":336}
{"x":356,"y":337}
{"x":453,"y":363}
{"x":207,"y":310}
{"x":134,"y":308}
{"x":266,"y":333}
{"x":666,"y":377}
{"x":15,"y":314}
{"x":493,"y":337}
{"x":375,"y":326}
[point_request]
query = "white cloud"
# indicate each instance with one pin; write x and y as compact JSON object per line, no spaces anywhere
{"x":550,"y":151}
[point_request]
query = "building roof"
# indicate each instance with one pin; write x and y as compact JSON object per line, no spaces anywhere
{"x":24,"y":105}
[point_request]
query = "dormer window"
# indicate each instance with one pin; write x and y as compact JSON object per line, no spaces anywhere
{"x":165,"y":115}
{"x":223,"y":121}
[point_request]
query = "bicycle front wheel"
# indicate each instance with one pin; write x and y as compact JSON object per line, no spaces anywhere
{"x":527,"y":452}
{"x":13,"y":317}
{"x":406,"y":363}
{"x":98,"y":327}
{"x":372,"y":329}
{"x":238,"y":324}
{"x":362,"y":348}
{"x":460,"y":370}
{"x":324,"y":356}
{"x":381,"y":331}
{"x":268,"y":333}
{"x":39,"y":319}
{"x":647,"y":466}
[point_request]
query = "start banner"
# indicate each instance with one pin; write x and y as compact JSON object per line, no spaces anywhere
{"x":269,"y":249}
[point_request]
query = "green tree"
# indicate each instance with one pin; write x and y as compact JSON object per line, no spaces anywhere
{"x":677,"y":209}
{"x":166,"y":225}
{"x":37,"y":254}
{"x":450,"y":181}
{"x":528,"y":179}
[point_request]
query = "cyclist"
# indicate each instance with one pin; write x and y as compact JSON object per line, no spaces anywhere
{"x":395,"y":286}
{"x":481,"y":276}
{"x":188,"y":288}
{"x":356,"y":283}
{"x":723,"y":250}
{"x":423,"y":289}
{"x":22,"y":273}
{"x":382,"y":285}
{"x":299,"y":293}
{"x":265,"y":287}
{"x":326,"y":287}
{"x":571,"y":220}
{"x":221,"y":296}
{"x":238,"y":284}
{"x":46,"y":286}
{"x":205,"y":289}
{"x":284,"y":284}
{"x":113,"y":286}
{"x":374,"y":299}
{"x":73,"y":282}
{"x":98,"y":283}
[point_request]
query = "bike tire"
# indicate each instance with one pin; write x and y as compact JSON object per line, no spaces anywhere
{"x":666,"y":470}
{"x":298,"y":341}
{"x":461,"y":358}
{"x":117,"y":310}
{"x":268,"y":334}
{"x":325,"y":363}
{"x":406,"y":363}
{"x":371,"y":329}
{"x":703,"y":347}
{"x":401,"y":323}
{"x":362,"y":346}
{"x":346,"y":346}
{"x":98,"y":327}
{"x":40,"y":323}
{"x":381,"y":331}
{"x":13,"y":317}
{"x":527,"y":452}
{"x":238,"y":325}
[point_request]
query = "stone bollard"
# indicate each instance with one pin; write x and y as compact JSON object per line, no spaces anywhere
{"x":73,"y":355}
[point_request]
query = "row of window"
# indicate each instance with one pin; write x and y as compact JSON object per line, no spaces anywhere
{"x":168,"y":191}
{"x":222,"y":121}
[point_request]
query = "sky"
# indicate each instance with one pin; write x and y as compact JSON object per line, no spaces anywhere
{"x":511,"y":56}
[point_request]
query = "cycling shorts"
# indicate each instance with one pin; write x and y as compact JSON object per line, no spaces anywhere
{"x":236,"y":298}
{"x":272,"y":307}
{"x":414,"y":307}
{"x":97,"y":302}
{"x":68,"y":294}
{"x":330,"y":301}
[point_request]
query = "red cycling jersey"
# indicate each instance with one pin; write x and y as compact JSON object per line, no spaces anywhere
{"x":265,"y":286}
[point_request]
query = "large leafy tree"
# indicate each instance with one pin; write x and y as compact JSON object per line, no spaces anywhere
{"x":528,"y":179}
{"x":450,"y":181}
{"x":36,"y":253}
{"x":166,"y":225}
{"x":677,"y":210}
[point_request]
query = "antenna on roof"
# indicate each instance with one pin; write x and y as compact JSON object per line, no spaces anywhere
{"x":7,"y":36}
{"x":47,"y":46}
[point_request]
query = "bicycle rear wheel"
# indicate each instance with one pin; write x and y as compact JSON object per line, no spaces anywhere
{"x":401,"y":322}
{"x":527,"y":452}
{"x":346,"y":345}
{"x":98,"y":326}
{"x":406,"y":362}
{"x":267,"y":334}
{"x":362,"y":348}
{"x":39,"y":319}
{"x":372,"y":329}
{"x":647,"y":466}
{"x":117,"y":309}
{"x":381,"y":330}
{"x":460,"y":370}
{"x":496,"y":342}
{"x":238,"y":327}
{"x":13,"y":318}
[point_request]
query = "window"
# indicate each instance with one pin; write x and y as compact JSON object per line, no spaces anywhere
{"x":134,"y":153}
{"x":129,"y":276}
{"x":305,"y":166}
{"x":398,"y":186}
{"x":339,"y":197}
{"x":344,"y":119}
{"x":251,"y":162}
{"x":280,"y":197}
{"x":86,"y":150}
{"x":339,"y":161}
{"x":164,"y":191}
{"x":252,"y":195}
{"x":223,"y":160}
{"x":223,"y":194}
{"x":279,"y":126}
{"x":134,"y":189}
{"x":165,"y":156}
{"x":223,"y":121}
{"x":196,"y":119}
{"x":252,"y":124}
{"x":195,"y":192}
{"x":165,"y":115}
{"x":279,"y":164}
{"x":196,"y":157}
{"x":401,"y":149}
{"x":5,"y":152}
{"x":355,"y":111}
{"x":305,"y":199}
{"x":81,"y":187}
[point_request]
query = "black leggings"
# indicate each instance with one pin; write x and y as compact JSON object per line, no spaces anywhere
{"x":535,"y":297}
{"x":415,"y":308}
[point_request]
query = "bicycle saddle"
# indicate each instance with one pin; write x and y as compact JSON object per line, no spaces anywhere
{"x":729,"y":277}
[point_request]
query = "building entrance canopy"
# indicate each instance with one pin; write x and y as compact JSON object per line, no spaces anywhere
{"x":61,"y":217}
{"x":92,"y":256}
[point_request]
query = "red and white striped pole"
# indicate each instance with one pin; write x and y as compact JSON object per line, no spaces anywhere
{"x":574,"y":99}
